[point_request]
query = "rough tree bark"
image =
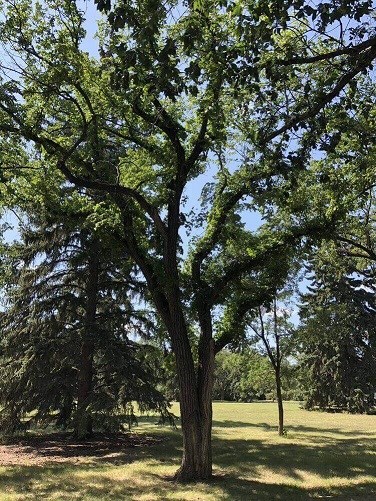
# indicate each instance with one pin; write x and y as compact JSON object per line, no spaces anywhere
{"x":195,"y":387}
{"x":196,"y":407}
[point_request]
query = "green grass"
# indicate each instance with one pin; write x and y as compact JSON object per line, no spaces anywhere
{"x":323,"y":456}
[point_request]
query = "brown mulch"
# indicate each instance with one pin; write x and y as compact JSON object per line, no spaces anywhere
{"x":62,"y":448}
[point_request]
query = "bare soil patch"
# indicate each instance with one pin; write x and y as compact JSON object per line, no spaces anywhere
{"x":62,"y":448}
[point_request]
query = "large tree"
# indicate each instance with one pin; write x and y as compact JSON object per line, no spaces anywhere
{"x":69,"y":324}
{"x":337,"y":331}
{"x":236,"y":90}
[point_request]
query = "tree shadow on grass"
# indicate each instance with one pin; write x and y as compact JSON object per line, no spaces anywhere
{"x":36,"y":483}
{"x":349,"y":458}
{"x":297,"y":428}
{"x":239,"y":465}
{"x":116,"y":449}
{"x":294,"y":462}
{"x":244,"y":489}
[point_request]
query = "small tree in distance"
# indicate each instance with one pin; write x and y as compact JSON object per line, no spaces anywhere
{"x":272,"y":329}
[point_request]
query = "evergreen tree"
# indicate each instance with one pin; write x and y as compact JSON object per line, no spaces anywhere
{"x":338,"y":340}
{"x":69,"y":330}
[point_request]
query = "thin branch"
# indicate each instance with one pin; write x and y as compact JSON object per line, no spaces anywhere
{"x":199,"y":144}
{"x":165,"y":123}
{"x":210,"y":242}
{"x":132,"y":139}
{"x":369,"y":252}
{"x":329,"y":55}
{"x":326,"y":99}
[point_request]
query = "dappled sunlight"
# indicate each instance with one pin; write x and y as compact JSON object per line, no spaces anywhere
{"x":251,"y":462}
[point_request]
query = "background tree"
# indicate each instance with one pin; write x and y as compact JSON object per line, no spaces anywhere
{"x":242,"y":376}
{"x":69,"y":328}
{"x":340,"y":303}
{"x":273,"y":331}
{"x":337,"y":339}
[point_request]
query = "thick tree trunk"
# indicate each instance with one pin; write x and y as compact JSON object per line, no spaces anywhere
{"x":280,"y":402}
{"x":84,"y":424}
{"x":196,"y":427}
{"x":196,"y":422}
{"x":196,"y":413}
{"x":195,"y":388}
{"x":197,"y":458}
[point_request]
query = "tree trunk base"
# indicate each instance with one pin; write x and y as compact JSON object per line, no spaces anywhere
{"x":84,"y":427}
{"x":188,"y":473}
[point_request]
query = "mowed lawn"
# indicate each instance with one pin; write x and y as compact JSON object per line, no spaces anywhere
{"x":323,"y":456}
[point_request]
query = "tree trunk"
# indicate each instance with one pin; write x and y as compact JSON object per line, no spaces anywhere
{"x":195,"y":389}
{"x":84,"y":425}
{"x":277,"y":369}
{"x":280,"y":402}
{"x":196,"y":423}
{"x":84,"y":422}
{"x":222,"y":393}
{"x":195,"y":397}
{"x":196,"y":412}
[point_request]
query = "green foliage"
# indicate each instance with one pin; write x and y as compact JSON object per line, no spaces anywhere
{"x":337,"y":341}
{"x":43,"y":328}
{"x":244,"y":93}
{"x":337,"y":333}
{"x":173,"y":91}
{"x":247,"y":375}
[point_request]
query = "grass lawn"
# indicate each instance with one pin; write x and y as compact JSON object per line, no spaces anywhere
{"x":323,"y":456}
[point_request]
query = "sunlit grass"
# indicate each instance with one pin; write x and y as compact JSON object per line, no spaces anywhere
{"x":322,"y":456}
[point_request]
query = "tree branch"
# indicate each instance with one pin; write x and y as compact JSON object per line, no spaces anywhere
{"x":199,"y":144}
{"x":164,"y":122}
{"x":369,"y":252}
{"x":56,"y":149}
{"x":329,"y":55}
{"x":207,"y":243}
{"x":293,"y":121}
{"x":115,"y":189}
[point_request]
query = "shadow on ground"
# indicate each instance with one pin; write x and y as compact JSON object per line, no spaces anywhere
{"x":292,"y":428}
{"x":35,"y":483}
{"x":349,"y":458}
{"x":62,"y":447}
{"x":237,"y":464}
